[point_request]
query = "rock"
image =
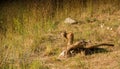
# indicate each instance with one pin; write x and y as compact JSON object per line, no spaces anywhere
{"x":70,"y":21}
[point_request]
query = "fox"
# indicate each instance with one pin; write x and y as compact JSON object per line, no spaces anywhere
{"x":81,"y":46}
{"x":69,"y":37}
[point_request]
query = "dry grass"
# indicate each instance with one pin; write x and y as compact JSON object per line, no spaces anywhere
{"x":30,"y":39}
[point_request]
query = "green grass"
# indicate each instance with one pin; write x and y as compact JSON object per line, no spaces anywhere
{"x":30,"y":39}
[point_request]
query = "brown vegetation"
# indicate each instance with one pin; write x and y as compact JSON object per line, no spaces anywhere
{"x":30,"y":28}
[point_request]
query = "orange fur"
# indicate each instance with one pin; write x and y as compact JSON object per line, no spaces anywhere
{"x":69,"y":37}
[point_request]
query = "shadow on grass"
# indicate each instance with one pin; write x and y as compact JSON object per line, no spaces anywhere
{"x":95,"y":51}
{"x":92,"y":49}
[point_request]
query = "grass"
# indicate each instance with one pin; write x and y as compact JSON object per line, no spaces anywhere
{"x":20,"y":50}
{"x":29,"y":40}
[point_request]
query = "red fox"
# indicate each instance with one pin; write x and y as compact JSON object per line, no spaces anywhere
{"x":68,"y":36}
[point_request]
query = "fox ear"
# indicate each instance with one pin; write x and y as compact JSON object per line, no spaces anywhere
{"x":63,"y":34}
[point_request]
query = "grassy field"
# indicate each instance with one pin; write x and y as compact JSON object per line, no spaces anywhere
{"x":30,"y":39}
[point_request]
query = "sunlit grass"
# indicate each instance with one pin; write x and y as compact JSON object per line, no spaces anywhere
{"x":30,"y":33}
